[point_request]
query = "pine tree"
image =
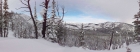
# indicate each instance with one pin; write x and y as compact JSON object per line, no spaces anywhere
{"x":5,"y":7}
{"x":1,"y":19}
{"x":137,"y":25}
{"x":53,"y":22}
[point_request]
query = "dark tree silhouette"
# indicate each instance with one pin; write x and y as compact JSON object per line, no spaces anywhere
{"x":45,"y":5}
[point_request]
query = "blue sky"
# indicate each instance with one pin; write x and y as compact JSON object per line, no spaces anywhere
{"x":89,"y":11}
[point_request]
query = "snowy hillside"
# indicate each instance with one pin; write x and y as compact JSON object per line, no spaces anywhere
{"x":22,"y":17}
{"x":41,"y":45}
{"x":95,"y":36}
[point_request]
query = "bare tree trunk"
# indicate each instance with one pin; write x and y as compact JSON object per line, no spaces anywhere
{"x":35,"y":27}
{"x":4,"y":32}
{"x":111,"y":40}
{"x":113,"y":25}
{"x":30,"y":10}
{"x":44,"y":28}
{"x":45,"y":18}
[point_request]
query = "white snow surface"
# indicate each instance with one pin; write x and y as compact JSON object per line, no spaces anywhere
{"x":41,"y":45}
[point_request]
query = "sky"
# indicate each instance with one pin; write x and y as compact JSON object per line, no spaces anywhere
{"x":88,"y":11}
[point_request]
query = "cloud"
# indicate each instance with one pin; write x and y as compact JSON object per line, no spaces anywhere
{"x":120,"y":10}
{"x":117,"y":10}
{"x":13,"y":4}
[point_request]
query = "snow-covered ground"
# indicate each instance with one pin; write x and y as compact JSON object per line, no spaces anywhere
{"x":41,"y":45}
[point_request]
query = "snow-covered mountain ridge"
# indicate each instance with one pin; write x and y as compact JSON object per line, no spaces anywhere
{"x":106,"y":25}
{"x":121,"y":25}
{"x":100,"y":28}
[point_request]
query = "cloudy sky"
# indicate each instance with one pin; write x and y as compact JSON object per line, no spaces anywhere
{"x":89,"y":11}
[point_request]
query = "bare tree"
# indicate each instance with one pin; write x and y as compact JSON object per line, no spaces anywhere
{"x":55,"y":8}
{"x":45,"y":5}
{"x":112,"y":34}
{"x":28,"y":6}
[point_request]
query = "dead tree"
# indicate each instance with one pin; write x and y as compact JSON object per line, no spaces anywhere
{"x":28,"y":6}
{"x":112,"y":34}
{"x":61,"y":30}
{"x":45,"y":5}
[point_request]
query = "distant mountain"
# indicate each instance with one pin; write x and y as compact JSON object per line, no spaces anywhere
{"x":101,"y":28}
{"x":104,"y":28}
{"x":122,"y":26}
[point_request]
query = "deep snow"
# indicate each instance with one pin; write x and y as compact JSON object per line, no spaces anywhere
{"x":12,"y":44}
{"x":41,"y":45}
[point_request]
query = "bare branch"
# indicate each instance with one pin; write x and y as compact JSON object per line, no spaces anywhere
{"x":20,"y":8}
{"x":42,"y":4}
{"x":46,"y":3}
{"x":23,"y":2}
{"x":63,"y":12}
{"x":57,"y":9}
{"x":29,"y":19}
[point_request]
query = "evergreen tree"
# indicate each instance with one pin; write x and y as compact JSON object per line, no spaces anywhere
{"x":1,"y":19}
{"x":5,"y":7}
{"x":137,"y":25}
